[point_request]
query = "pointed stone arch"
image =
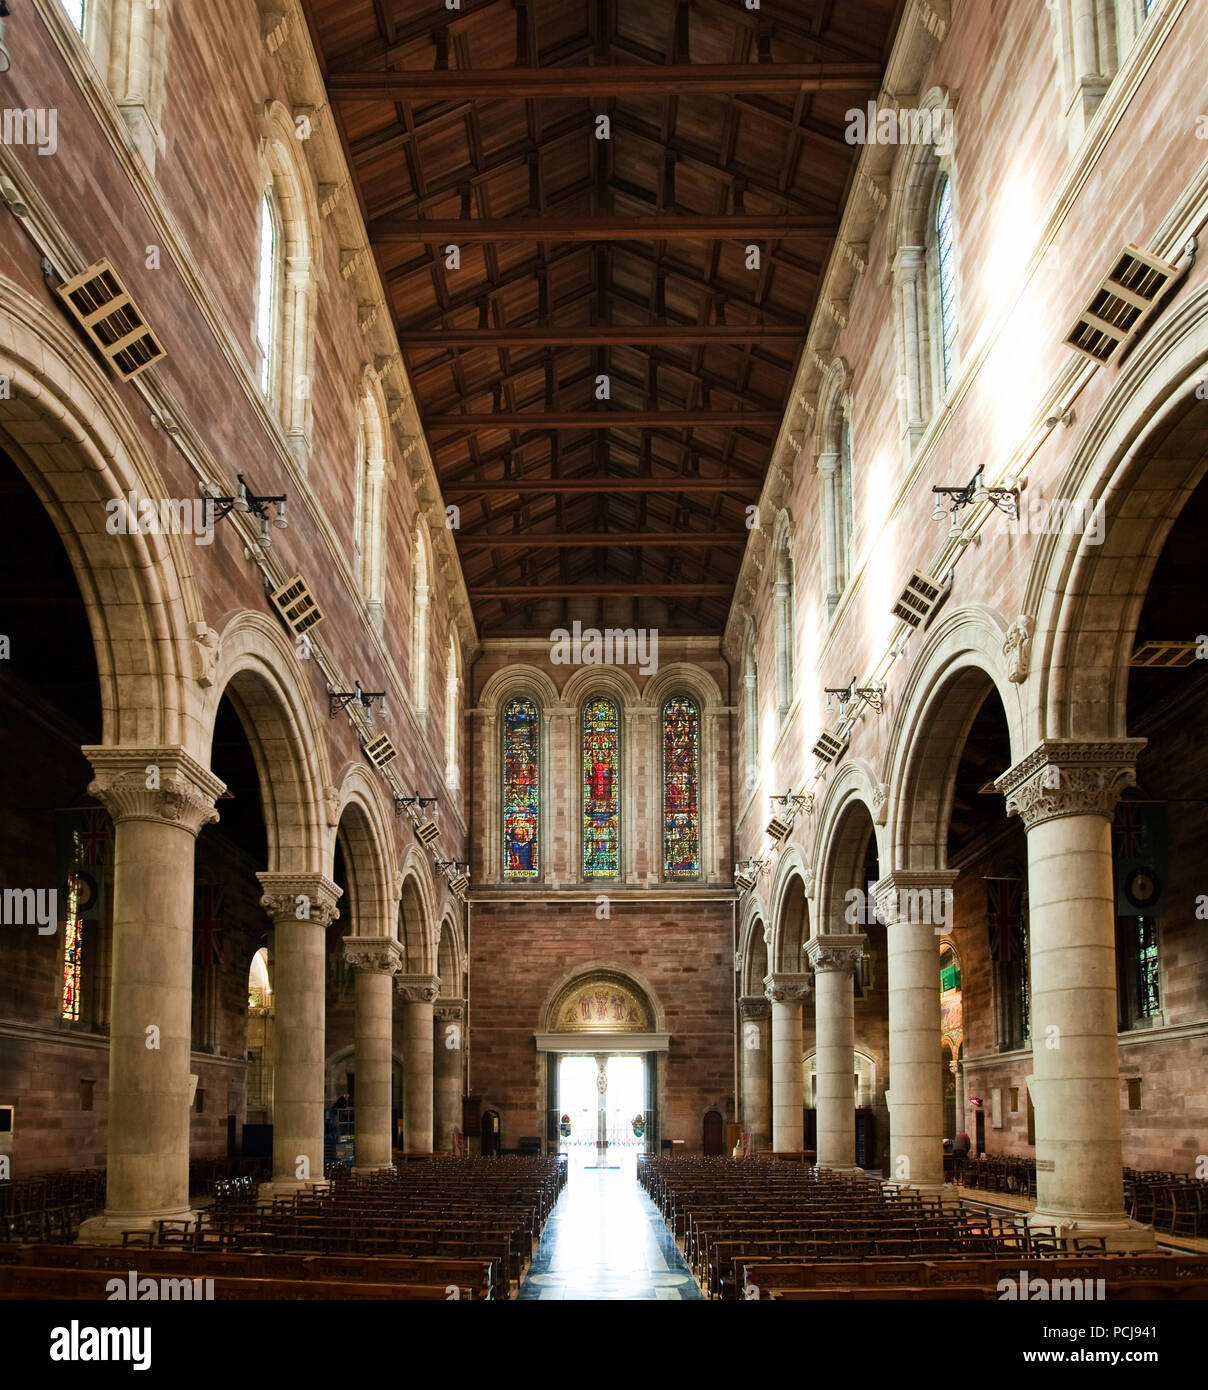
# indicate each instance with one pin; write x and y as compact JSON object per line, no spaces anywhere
{"x":789,"y":918}
{"x":841,"y":838}
{"x":417,"y":912}
{"x":363,"y":826}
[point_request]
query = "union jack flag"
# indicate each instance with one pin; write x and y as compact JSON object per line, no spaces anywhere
{"x":1004,"y":914}
{"x":94,"y":838}
{"x":1127,"y":830}
{"x":208,"y":925}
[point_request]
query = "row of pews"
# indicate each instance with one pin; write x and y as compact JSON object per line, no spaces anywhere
{"x":444,"y":1229}
{"x":1175,"y":1203}
{"x":763,"y":1229}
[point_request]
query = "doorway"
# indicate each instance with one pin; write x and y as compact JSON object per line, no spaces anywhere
{"x":582,"y":1102}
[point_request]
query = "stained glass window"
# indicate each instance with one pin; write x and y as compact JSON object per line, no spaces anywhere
{"x":521,"y":732}
{"x":73,"y":957}
{"x":1149,"y":993}
{"x":601,"y":791}
{"x":681,"y":789}
{"x":947,"y":275}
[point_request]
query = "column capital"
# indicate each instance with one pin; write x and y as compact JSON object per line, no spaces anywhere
{"x":418,"y":989}
{"x":154,"y":784}
{"x":833,"y":951}
{"x":300,"y":898}
{"x":376,"y":955}
{"x":915,"y":896}
{"x":754,"y":1008}
{"x":1066,"y":777}
{"x":450,"y":1010}
{"x":787,"y":987}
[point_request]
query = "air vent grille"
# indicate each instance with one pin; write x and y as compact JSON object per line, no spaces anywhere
{"x":103,"y":308}
{"x":297,"y":606}
{"x":829,"y":749}
{"x":1121,"y":304}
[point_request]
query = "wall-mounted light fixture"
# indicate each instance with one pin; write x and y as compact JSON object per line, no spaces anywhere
{"x":249,"y":503}
{"x":341,"y":699}
{"x":1005,"y":498}
{"x":871,"y":693}
{"x":456,"y":872}
{"x":746,"y":873}
{"x":785,"y":810}
{"x":426,"y":829}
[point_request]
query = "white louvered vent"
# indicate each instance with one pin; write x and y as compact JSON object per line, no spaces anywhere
{"x":380,"y":751}
{"x":1168,"y":654}
{"x":829,"y":749}
{"x":297,"y":606}
{"x":1119,"y":307}
{"x":103,"y":308}
{"x":918,"y":600}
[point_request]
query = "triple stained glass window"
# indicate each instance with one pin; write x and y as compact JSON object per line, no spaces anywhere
{"x":521,"y":796}
{"x":681,"y":789}
{"x":601,"y":790}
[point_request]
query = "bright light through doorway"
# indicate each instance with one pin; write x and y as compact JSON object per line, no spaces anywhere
{"x":578,"y":1098}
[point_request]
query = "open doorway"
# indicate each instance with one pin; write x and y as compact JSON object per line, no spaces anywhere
{"x":589,"y":1111}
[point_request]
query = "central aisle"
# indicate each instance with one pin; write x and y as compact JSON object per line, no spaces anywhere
{"x":606,"y":1240}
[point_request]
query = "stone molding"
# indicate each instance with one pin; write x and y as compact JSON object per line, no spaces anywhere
{"x":1017,"y":648}
{"x":450,"y":1010}
{"x":183,"y":793}
{"x":282,"y":891}
{"x":787,"y":988}
{"x":1065,"y":777}
{"x":754,"y":1008}
{"x":888,"y":893}
{"x":418,"y":989}
{"x":835,"y":952}
{"x":376,"y":955}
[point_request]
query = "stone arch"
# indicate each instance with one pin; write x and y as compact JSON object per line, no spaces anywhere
{"x":1141,"y":457}
{"x":451,"y":956}
{"x":787,"y":925}
{"x":367,"y":835}
{"x":841,"y":842}
{"x":784,"y":586}
{"x":417,"y":913}
{"x":594,"y":969}
{"x":82,"y":454}
{"x":257,"y":670}
{"x":421,"y":590}
{"x":961,"y":661}
{"x":753,"y":947}
{"x":374,"y":470}
{"x":285,"y":173}
{"x":834,"y":464}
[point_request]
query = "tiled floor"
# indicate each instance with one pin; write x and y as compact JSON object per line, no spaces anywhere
{"x":606,"y":1240}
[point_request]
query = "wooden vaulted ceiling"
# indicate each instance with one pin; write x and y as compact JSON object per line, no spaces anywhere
{"x":584,"y":258}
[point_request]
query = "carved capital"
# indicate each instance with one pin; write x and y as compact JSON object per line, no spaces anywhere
{"x":378,"y":955}
{"x":289,"y":898}
{"x":834,"y":952}
{"x":750,"y":1009}
{"x":1063,"y":777}
{"x":786,"y":988}
{"x":418,"y":989}
{"x":450,"y":1010}
{"x":916,"y":897}
{"x":155,"y":784}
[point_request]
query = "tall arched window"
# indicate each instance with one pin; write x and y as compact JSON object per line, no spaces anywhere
{"x":369,"y":521}
{"x":835,"y":470}
{"x":452,"y":715}
{"x":521,"y":789}
{"x":784,"y":620}
{"x":75,"y":12}
{"x":943,"y":276}
{"x":601,"y":790}
{"x":419,"y":625}
{"x":681,"y":789}
{"x":750,"y":710}
{"x":267,"y":289}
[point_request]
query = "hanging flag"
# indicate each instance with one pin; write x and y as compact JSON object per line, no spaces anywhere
{"x":1004,"y":916}
{"x":83,"y":846}
{"x":1139,"y":844}
{"x":208,"y":924}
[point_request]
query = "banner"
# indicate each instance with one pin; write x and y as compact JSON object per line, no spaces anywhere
{"x":1139,"y":843}
{"x":83,"y":845}
{"x":1004,"y":917}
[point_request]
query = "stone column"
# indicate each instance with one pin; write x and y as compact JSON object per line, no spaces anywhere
{"x":786,"y":991}
{"x":302,"y":907}
{"x":833,"y":958}
{"x":419,"y":994}
{"x":376,"y":960}
{"x":450,"y":1015}
{"x":159,"y":798}
{"x":915,"y":908}
{"x":1066,"y":792}
{"x":757,"y":1071}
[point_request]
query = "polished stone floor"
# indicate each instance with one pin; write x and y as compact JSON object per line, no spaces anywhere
{"x":606,"y":1240}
